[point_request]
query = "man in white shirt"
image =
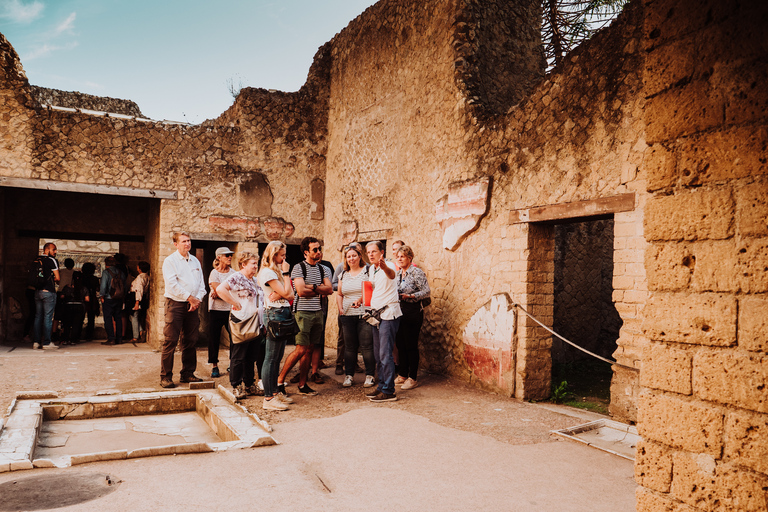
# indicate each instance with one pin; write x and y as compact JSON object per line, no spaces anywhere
{"x":184,"y":291}
{"x":385,"y":300}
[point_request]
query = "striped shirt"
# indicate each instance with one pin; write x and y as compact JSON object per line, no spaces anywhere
{"x":313,"y":277}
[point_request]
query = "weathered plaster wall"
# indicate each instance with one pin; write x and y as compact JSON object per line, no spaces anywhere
{"x":703,"y":413}
{"x":242,"y":170}
{"x":407,"y":123}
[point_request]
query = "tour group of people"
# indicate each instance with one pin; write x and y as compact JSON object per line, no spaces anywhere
{"x":265,"y":303}
{"x":62,"y":300}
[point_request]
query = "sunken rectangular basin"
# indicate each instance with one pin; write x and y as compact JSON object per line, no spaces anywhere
{"x":54,"y":432}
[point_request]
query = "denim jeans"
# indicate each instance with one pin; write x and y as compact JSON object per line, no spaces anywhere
{"x":383,"y":344}
{"x":357,"y":333}
{"x":274,"y":351}
{"x":45,"y":304}
{"x":137,"y":326}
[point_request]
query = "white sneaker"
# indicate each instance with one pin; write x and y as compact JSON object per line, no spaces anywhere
{"x":283,"y":396}
{"x":369,"y":381}
{"x":274,"y":405}
{"x":399,"y":380}
{"x":35,"y":346}
{"x":347,"y":381}
{"x":51,"y":346}
{"x":261,"y":385}
{"x":409,"y":384}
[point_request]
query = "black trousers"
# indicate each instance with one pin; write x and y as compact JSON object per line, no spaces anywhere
{"x":216,"y":320}
{"x":243,"y":357}
{"x":407,"y":339}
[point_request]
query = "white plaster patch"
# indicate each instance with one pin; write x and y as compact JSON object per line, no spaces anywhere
{"x":493,"y":325}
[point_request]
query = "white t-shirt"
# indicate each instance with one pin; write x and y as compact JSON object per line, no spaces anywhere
{"x":218,"y":277}
{"x":385,"y":292}
{"x":248,"y":293}
{"x":266,"y":275}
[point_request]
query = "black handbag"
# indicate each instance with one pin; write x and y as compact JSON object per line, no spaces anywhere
{"x":283,"y":329}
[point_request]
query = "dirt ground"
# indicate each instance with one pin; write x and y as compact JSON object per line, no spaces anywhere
{"x":91,"y":368}
{"x":442,"y":446}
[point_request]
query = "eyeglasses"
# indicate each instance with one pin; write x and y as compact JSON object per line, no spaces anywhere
{"x":317,"y":249}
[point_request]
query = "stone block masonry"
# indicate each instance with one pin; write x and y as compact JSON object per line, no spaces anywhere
{"x":664,"y":107}
{"x":704,"y":407}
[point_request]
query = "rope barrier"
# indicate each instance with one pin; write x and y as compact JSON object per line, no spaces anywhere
{"x":572,"y":343}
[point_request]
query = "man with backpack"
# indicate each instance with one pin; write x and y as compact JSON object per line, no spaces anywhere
{"x":312,"y":281}
{"x":43,"y":276}
{"x":112,"y":292}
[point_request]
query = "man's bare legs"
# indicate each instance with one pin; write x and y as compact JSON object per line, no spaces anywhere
{"x":301,"y":353}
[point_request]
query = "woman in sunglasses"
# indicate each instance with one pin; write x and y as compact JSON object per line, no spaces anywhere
{"x":218,"y":310}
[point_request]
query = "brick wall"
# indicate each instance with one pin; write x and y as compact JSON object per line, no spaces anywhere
{"x":704,"y":408}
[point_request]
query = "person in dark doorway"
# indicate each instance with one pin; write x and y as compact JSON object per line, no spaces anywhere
{"x":386,"y":305}
{"x":74,"y":298}
{"x":112,"y":297}
{"x":45,"y":297}
{"x":184,"y":292}
{"x":218,"y":309}
{"x":413,"y":289}
{"x":140,"y":290}
{"x":311,"y":281}
{"x":92,"y":307}
{"x":65,"y":278}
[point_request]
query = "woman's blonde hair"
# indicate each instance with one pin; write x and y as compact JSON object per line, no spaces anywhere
{"x":354,"y":246}
{"x":268,"y":258}
{"x":245,"y":257}
{"x":217,"y":262}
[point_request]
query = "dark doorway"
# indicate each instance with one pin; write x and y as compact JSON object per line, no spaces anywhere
{"x":584,"y":311}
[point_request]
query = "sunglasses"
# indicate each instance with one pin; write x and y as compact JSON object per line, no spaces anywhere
{"x":317,"y":249}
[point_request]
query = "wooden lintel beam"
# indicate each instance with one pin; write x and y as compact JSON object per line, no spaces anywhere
{"x":579,"y":209}
{"x":86,"y":188}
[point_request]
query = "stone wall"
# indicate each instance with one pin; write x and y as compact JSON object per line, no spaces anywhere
{"x":235,"y":178}
{"x":409,"y":126}
{"x":584,"y":312}
{"x":703,"y":413}
{"x":55,"y":97}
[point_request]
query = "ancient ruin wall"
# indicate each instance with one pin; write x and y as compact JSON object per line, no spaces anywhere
{"x":223,"y":190}
{"x":396,"y":140}
{"x":69,"y":99}
{"x":703,"y":414}
{"x":402,"y":131}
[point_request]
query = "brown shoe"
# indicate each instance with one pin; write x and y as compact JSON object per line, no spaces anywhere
{"x":317,"y":378}
{"x":190,"y":378}
{"x":339,"y":370}
{"x":167,"y":383}
{"x":295,"y":379}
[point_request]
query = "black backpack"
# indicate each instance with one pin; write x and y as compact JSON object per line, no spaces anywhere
{"x":117,"y":286}
{"x":37,"y":278}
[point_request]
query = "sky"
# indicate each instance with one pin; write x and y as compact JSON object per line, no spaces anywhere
{"x":175,"y":58}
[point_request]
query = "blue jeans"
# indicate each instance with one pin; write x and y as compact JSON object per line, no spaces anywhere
{"x":383,"y":344}
{"x":274,"y":351}
{"x":45,"y":304}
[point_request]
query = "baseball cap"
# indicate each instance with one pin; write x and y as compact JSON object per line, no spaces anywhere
{"x":221,"y":251}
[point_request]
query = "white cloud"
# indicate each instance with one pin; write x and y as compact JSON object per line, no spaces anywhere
{"x":46,"y":49}
{"x":67,"y":25}
{"x":18,"y":12}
